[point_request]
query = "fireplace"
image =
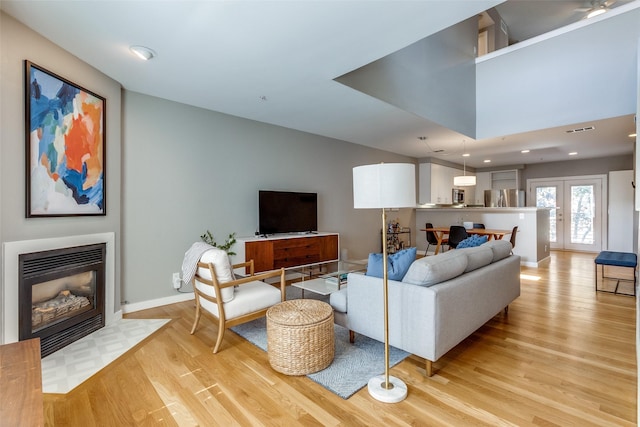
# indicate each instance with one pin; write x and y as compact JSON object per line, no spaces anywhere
{"x":61,"y":294}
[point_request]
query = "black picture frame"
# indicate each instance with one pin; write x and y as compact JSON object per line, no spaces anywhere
{"x":65,"y":132}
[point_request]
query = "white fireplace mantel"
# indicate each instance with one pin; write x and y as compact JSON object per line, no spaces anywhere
{"x":9,"y":289}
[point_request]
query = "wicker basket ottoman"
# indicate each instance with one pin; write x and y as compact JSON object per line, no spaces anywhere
{"x":300,"y":336}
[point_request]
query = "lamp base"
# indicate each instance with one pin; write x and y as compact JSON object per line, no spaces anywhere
{"x":393,"y":395}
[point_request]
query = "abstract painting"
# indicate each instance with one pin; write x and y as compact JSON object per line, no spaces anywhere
{"x":65,"y":132}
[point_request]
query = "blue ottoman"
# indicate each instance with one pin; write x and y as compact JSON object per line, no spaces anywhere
{"x":617,"y":259}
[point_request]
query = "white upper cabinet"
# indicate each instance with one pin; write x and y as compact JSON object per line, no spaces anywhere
{"x":436,"y":184}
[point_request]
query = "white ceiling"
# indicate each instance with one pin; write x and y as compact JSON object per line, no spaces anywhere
{"x":276,"y":61}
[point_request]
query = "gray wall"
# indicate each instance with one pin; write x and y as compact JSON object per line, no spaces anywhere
{"x":187,"y":170}
{"x":576,"y":167}
{"x":18,"y":43}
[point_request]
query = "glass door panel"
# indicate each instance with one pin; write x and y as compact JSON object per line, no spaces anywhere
{"x":583,"y":228}
{"x":549,"y":195}
{"x":581,"y":200}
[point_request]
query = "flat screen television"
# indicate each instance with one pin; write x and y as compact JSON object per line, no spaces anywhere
{"x":287,"y":212}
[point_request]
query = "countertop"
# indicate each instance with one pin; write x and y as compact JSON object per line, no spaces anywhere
{"x":476,"y":208}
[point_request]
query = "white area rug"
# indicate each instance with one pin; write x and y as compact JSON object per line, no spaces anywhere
{"x":75,"y":363}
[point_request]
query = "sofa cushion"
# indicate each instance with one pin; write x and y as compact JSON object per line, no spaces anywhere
{"x":477,"y":257}
{"x":397,"y":266}
{"x":430,"y":270}
{"x":501,"y":249}
{"x":472,"y":241}
{"x":224,"y":273}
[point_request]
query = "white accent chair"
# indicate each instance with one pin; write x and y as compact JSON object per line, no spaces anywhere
{"x":229,"y":300}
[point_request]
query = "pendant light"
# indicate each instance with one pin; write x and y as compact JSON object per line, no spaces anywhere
{"x":464,"y":180}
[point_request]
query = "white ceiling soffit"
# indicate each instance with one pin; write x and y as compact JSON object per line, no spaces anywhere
{"x":434,"y":78}
{"x":576,"y":76}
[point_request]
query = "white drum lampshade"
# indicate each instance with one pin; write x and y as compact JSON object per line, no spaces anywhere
{"x":464,"y":180}
{"x":384,"y":185}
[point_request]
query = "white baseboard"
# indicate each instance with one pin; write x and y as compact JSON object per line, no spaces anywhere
{"x":542,"y":262}
{"x":143,"y":305}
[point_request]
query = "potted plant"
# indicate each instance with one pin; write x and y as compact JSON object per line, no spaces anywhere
{"x":231,"y":240}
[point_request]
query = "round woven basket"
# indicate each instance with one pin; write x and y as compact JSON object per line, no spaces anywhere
{"x":300,"y":336}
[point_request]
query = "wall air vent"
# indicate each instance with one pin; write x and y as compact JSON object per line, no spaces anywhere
{"x":584,"y":129}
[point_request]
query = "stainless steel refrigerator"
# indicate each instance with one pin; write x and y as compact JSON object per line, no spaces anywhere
{"x":507,"y":198}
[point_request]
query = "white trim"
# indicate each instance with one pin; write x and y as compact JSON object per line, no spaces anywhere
{"x":604,"y":198}
{"x":535,"y":264}
{"x":144,"y":305}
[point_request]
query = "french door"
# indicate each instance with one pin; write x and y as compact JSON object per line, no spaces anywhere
{"x":576,"y":216}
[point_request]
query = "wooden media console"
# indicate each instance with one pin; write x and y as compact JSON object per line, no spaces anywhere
{"x":272,"y":252}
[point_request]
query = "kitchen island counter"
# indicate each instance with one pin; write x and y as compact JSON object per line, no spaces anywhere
{"x":532,"y":240}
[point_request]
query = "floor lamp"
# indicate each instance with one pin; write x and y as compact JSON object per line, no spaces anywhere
{"x":382,"y":186}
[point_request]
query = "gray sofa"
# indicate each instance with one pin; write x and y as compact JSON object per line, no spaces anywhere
{"x":441,"y":300}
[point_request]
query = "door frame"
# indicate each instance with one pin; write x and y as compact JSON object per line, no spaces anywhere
{"x":531,"y":200}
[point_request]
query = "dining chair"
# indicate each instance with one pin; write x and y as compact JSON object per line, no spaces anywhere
{"x":432,"y":239}
{"x":513,"y":238}
{"x":457,"y":234}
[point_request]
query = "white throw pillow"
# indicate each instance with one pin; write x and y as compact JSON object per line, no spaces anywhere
{"x":224,"y":273}
{"x":430,"y":270}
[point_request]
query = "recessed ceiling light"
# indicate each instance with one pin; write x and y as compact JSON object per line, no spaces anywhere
{"x":573,"y":153}
{"x":143,"y":52}
{"x":487,"y":161}
{"x":466,"y":155}
{"x":524,"y":151}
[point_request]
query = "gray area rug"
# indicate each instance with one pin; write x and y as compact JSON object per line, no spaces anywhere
{"x":353,"y":365}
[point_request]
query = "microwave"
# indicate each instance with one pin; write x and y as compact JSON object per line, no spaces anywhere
{"x":457,"y":196}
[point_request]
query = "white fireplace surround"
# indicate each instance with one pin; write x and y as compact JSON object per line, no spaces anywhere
{"x":9,"y":295}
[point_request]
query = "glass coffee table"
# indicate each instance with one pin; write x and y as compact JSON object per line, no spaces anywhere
{"x":326,"y":278}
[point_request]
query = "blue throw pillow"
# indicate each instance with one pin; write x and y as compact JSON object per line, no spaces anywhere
{"x":471,"y":241}
{"x":397,"y":266}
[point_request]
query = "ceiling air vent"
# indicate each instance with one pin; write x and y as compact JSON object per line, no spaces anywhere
{"x":584,"y":129}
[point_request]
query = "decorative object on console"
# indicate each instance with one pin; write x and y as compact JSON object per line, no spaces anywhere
{"x":382,"y":186}
{"x":228,"y":244}
{"x":65,"y":146}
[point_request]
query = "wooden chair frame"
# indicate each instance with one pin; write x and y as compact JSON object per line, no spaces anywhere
{"x":433,"y":240}
{"x":221,"y":320}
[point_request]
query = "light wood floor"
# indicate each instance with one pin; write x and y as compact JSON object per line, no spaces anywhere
{"x":563,"y":356}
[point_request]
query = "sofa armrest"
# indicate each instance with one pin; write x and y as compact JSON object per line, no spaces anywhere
{"x":411,"y":313}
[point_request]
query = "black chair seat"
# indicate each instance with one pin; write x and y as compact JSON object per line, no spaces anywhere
{"x":457,"y":234}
